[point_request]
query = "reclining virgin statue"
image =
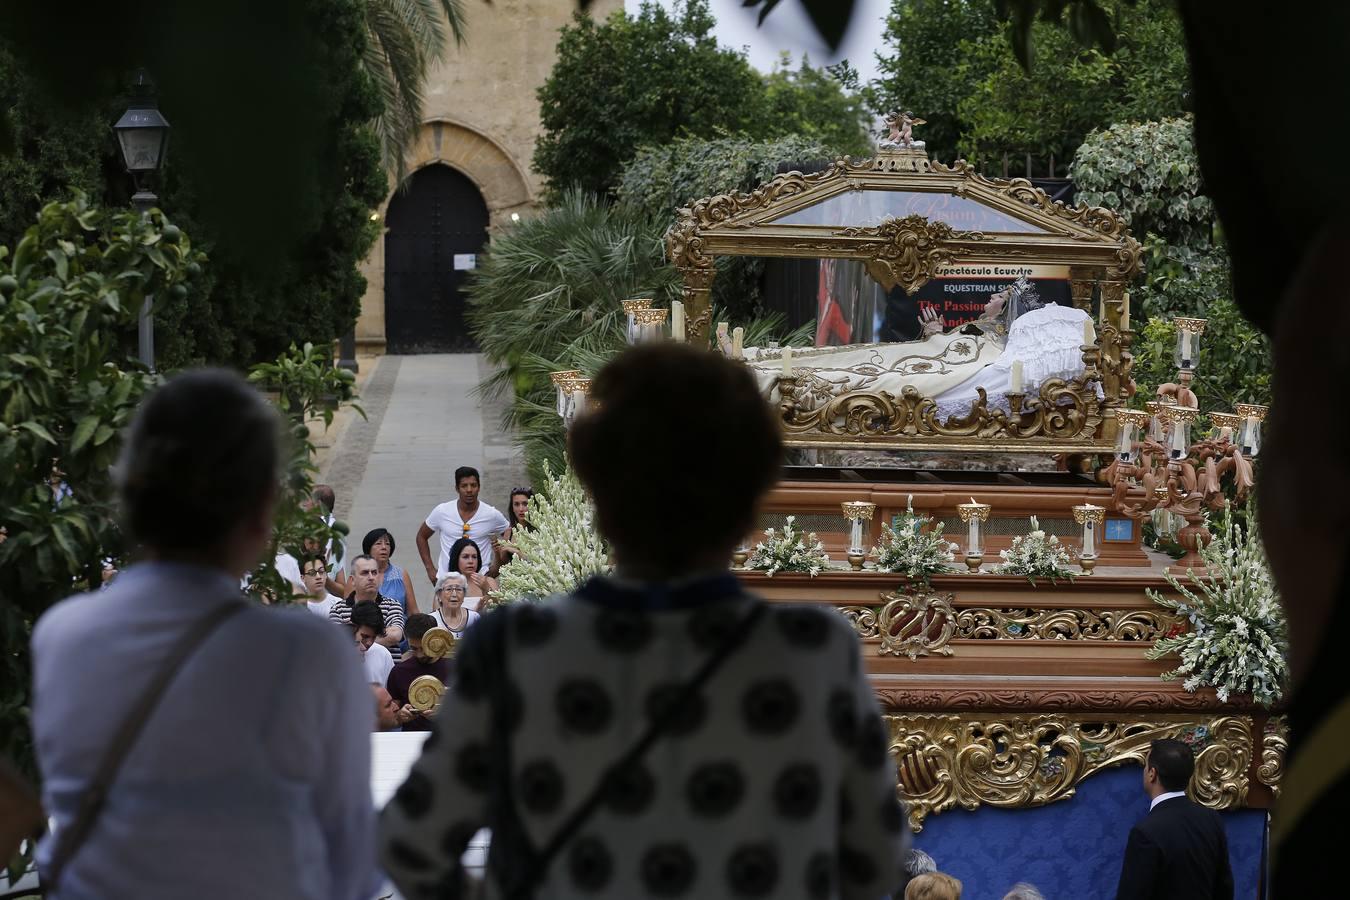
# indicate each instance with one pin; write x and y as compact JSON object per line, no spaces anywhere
{"x":948,"y":366}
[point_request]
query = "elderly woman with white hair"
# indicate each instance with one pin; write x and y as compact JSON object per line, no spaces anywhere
{"x":449,"y":610}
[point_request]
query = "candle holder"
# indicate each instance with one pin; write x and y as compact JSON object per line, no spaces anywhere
{"x":857,"y":512}
{"x":740,"y":556}
{"x":1128,"y":423}
{"x":1015,"y":402}
{"x":1228,"y":425}
{"x":1179,"y":419}
{"x":577,"y":390}
{"x":1091,"y":518}
{"x":973,"y":513}
{"x":1188,"y":342}
{"x":558,"y":379}
{"x":650,"y":325}
{"x":1249,"y":436}
{"x":631,"y":308}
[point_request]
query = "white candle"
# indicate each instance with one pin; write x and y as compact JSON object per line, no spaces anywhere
{"x":1017,"y":376}
{"x":787,"y":360}
{"x":1089,"y":333}
{"x":738,"y":343}
{"x":676,"y":320}
{"x":1185,"y":345}
{"x":1226,"y":433}
{"x":1178,"y":440}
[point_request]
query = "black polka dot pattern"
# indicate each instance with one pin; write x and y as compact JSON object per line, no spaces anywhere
{"x":715,"y":789}
{"x":845,"y":807}
{"x":590,"y":864}
{"x":534,"y":624}
{"x":804,"y":626}
{"x":622,"y":630}
{"x":689,"y":716}
{"x":470,"y":677}
{"x":872,"y":743}
{"x":408,"y":856}
{"x":414,"y":796}
{"x":797,"y":790}
{"x":541,"y":787}
{"x":473,"y":766}
{"x":858,"y":867}
{"x":510,"y":706}
{"x":840,"y":709}
{"x":711,"y":625}
{"x":668,"y":870}
{"x":820,"y":876}
{"x":456,"y":838}
{"x":752,"y":870}
{"x":584,"y":706}
{"x":630,"y":790}
{"x":770,"y":707}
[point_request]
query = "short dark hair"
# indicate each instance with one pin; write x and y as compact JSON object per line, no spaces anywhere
{"x":374,"y":535}
{"x":313,"y":557}
{"x":367,"y":612}
{"x":201,"y":455}
{"x":324,"y":495}
{"x":467,"y":472}
{"x":418,"y":625}
{"x":652,"y":406}
{"x":452,"y":558}
{"x":1173,"y":761}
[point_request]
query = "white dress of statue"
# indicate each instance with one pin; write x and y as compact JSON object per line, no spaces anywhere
{"x":946,"y":366}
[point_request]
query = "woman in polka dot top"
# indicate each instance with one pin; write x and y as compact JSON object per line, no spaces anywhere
{"x":771,"y":780}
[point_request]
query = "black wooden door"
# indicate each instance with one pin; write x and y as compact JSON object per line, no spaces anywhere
{"x":436,"y":229}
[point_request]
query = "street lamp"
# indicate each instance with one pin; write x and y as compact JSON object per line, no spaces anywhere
{"x":143,"y":135}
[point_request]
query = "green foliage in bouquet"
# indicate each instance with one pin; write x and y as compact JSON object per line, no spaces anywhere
{"x":1238,"y":641}
{"x":561,"y":551}
{"x":1036,"y":555}
{"x":789,"y":551}
{"x":913,"y":548}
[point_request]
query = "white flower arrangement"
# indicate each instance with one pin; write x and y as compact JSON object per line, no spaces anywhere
{"x":561,"y":552}
{"x":1238,"y":639}
{"x":789,"y":551}
{"x":1036,"y":555}
{"x":913,"y":549}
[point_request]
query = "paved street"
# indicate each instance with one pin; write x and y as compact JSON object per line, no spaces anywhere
{"x":424,"y":419}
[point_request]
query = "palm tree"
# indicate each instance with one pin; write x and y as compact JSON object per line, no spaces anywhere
{"x":406,"y":37}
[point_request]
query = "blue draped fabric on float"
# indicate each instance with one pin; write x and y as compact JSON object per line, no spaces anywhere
{"x":1070,"y":850}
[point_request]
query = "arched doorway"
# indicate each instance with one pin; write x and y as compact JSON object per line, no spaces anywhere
{"x":437,"y":226}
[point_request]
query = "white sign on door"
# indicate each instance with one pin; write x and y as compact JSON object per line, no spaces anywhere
{"x":466,"y":261}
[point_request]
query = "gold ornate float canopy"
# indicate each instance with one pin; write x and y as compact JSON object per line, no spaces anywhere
{"x":906,"y":218}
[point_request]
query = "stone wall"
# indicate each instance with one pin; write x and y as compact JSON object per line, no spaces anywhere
{"x":482,"y":118}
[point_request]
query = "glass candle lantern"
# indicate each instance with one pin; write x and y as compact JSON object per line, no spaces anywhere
{"x":1227,"y":426}
{"x":578,"y":390}
{"x":1188,"y":341}
{"x":558,"y":379}
{"x":1249,"y":433}
{"x":651,"y":325}
{"x":1157,"y":427}
{"x":1090,"y":518}
{"x":1128,"y":423}
{"x":857,"y":512}
{"x":1179,"y":419}
{"x":973,"y":514}
{"x":630,"y":308}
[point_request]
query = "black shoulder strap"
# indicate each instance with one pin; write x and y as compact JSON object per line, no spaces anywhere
{"x":524,"y":877}
{"x":72,"y":836}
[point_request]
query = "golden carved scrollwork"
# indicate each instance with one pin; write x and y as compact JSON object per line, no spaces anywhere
{"x":1274,"y":746}
{"x":1064,"y":411}
{"x":1024,"y":760}
{"x":1063,"y":624}
{"x":864,"y":620}
{"x":916,"y":624}
{"x":909,"y":251}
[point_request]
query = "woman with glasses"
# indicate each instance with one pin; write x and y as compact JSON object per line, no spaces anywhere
{"x":464,"y":559}
{"x":450,"y":612}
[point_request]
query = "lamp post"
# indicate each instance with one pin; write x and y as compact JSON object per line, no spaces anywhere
{"x":143,"y":136}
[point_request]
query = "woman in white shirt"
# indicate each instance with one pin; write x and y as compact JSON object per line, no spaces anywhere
{"x":450,"y":612}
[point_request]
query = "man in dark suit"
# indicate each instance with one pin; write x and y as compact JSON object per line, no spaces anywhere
{"x":1179,"y":850}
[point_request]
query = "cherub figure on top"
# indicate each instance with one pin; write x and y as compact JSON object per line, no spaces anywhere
{"x":901,"y":124}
